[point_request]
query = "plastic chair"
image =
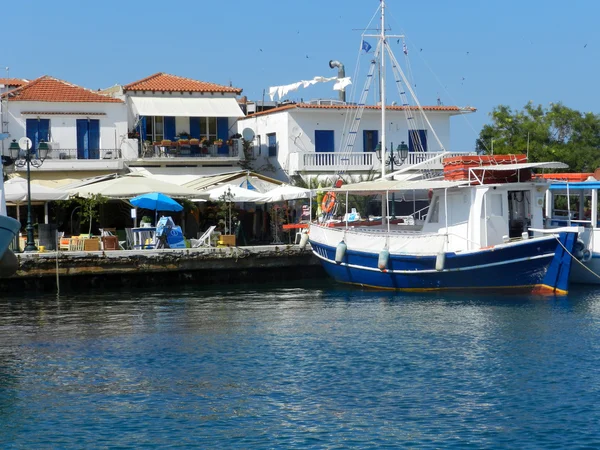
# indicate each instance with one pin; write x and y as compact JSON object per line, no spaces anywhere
{"x":205,"y":239}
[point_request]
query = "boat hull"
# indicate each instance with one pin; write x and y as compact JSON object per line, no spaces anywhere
{"x":539,"y":264}
{"x":582,"y":275}
{"x":9,"y":228}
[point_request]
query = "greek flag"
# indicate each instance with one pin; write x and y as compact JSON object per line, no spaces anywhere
{"x":366,"y":46}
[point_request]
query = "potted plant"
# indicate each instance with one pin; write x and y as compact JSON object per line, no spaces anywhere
{"x":218,"y":142}
{"x":146,"y":222}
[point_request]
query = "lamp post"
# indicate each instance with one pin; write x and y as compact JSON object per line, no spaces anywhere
{"x":391,"y":159}
{"x":21,"y":154}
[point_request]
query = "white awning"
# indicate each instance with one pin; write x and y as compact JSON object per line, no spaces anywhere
{"x":186,"y":107}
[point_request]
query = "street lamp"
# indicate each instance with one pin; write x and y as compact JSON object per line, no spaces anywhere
{"x":391,"y":159}
{"x":21,"y":154}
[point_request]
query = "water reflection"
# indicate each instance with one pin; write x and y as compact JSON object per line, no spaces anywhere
{"x":298,"y":365}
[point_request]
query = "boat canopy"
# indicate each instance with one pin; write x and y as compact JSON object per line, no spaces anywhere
{"x":390,"y":185}
{"x":576,"y":186}
{"x":521,"y":166}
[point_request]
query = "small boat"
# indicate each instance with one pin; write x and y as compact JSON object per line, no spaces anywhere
{"x":482,"y":229}
{"x":576,"y":203}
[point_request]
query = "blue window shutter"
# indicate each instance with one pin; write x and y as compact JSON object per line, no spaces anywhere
{"x":324,"y":141}
{"x":31,"y":130}
{"x":417,"y":140}
{"x":82,"y":138}
{"x":142,"y":128}
{"x":169,"y":124}
{"x":222,"y":130}
{"x":94,"y":138}
{"x":195,"y":127}
{"x":44,"y":130}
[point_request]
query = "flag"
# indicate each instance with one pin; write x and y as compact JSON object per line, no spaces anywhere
{"x":366,"y":46}
{"x":404,"y":48}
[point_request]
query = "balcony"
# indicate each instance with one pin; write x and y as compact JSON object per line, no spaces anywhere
{"x":71,"y":159}
{"x":356,"y":162}
{"x":153,"y":154}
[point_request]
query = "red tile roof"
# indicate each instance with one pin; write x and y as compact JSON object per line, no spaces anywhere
{"x":12,"y":81}
{"x":171,"y":83}
{"x":372,"y":107}
{"x":50,"y":89}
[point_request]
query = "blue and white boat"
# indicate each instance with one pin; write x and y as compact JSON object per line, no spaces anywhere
{"x":476,"y":234}
{"x":576,"y":203}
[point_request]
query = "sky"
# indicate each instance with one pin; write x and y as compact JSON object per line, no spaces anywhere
{"x":466,"y":53}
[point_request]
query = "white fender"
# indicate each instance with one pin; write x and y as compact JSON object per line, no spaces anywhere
{"x":303,"y":240}
{"x":340,"y":252}
{"x":384,"y":257}
{"x":440,"y":261}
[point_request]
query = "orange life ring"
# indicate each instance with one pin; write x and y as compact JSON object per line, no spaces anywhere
{"x":328,"y":202}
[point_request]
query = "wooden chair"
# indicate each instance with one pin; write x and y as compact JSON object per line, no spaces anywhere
{"x":76,"y":244}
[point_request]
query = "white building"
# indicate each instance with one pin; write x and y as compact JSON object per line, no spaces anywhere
{"x":84,"y":128}
{"x":181,"y":125}
{"x":309,"y":139}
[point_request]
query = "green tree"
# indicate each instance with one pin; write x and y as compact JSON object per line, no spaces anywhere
{"x":90,"y":208}
{"x":556,"y":133}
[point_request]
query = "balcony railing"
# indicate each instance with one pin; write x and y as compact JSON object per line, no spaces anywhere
{"x":187,"y":151}
{"x":73,"y":153}
{"x":358,"y":162}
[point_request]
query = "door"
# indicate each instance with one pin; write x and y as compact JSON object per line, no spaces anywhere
{"x":417,"y":140}
{"x":494,"y":218}
{"x":88,"y":138}
{"x":370,"y":140}
{"x":37,"y":130}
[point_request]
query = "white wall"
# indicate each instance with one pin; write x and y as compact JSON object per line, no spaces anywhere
{"x":262,"y":125}
{"x":296,"y":128}
{"x":63,"y":129}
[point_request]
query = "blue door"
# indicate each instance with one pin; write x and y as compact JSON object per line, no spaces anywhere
{"x":88,"y":138}
{"x":169,"y":124}
{"x":370,"y":140}
{"x":324,"y":141}
{"x":37,"y":130}
{"x":222,"y":131}
{"x":417,"y":140}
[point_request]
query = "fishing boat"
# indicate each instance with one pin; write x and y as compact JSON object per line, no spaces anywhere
{"x":482,"y":229}
{"x":576,"y":203}
{"x":9,"y":228}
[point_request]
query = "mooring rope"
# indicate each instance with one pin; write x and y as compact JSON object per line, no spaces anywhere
{"x":576,"y":259}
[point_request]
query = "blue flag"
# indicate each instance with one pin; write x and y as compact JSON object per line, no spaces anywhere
{"x":366,"y":46}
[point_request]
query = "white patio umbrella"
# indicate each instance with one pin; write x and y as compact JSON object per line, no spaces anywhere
{"x":287,"y":192}
{"x":15,"y":191}
{"x":239,"y":194}
{"x":131,"y":186}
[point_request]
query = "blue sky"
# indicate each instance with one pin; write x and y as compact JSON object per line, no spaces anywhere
{"x":508,"y":52}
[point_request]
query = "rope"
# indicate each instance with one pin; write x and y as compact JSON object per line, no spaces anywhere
{"x":581,"y":263}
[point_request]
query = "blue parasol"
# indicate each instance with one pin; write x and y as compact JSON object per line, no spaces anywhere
{"x":156,"y":201}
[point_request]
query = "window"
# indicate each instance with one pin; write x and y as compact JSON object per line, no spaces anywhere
{"x":324,"y":141}
{"x":154,"y":129}
{"x":496,"y":205}
{"x":370,"y":140}
{"x":417,"y":140}
{"x":272,"y":144}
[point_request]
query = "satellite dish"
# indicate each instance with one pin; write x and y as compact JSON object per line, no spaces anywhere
{"x":248,"y":134}
{"x":25,"y":143}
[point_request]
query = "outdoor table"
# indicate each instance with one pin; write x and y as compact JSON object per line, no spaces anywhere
{"x":141,"y":235}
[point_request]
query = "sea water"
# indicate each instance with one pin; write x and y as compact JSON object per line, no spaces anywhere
{"x":316,"y":365}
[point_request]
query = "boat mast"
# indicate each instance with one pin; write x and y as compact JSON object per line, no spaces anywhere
{"x":382,"y":74}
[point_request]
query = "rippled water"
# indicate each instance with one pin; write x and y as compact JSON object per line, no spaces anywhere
{"x":296,"y":367}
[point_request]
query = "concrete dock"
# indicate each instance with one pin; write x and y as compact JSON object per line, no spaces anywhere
{"x":126,"y":268}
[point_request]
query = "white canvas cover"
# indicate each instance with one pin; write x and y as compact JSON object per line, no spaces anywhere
{"x":287,"y":192}
{"x":186,"y":107}
{"x":15,"y":191}
{"x":131,"y":186}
